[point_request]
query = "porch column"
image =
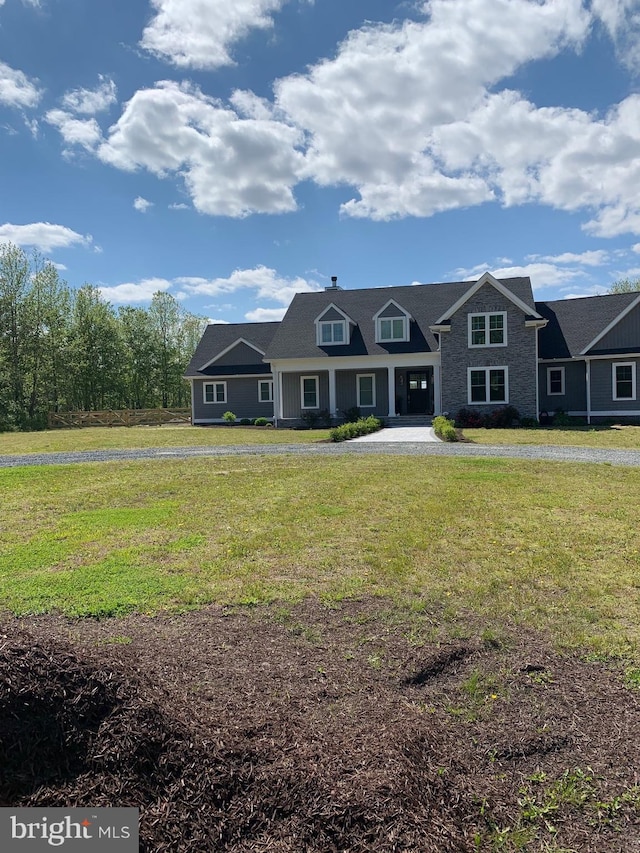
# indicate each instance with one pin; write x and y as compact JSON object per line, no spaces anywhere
{"x":332,"y":392}
{"x":437,"y":391}
{"x":588,"y":378}
{"x":276,"y":396}
{"x":280,"y":410}
{"x":391,"y":381}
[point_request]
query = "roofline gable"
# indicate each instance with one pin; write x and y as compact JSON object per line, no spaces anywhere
{"x":339,"y":310}
{"x":397,"y":305}
{"x":487,"y":278}
{"x":229,"y":348}
{"x":611,"y":325}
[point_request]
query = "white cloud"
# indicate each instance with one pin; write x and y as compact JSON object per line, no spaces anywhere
{"x":266,"y":283}
{"x":622,"y":20}
{"x":91,"y":101}
{"x":179,"y":206}
{"x":43,"y":236}
{"x":213,"y":321}
{"x":142,"y":204}
{"x":60,"y":267}
{"x":541,"y":274}
{"x":231,"y":166}
{"x":265,"y":315}
{"x":199,"y":33}
{"x":636,"y":248}
{"x":16,"y":89}
{"x":83,"y":132}
{"x":595,"y":258}
{"x":126,"y":294}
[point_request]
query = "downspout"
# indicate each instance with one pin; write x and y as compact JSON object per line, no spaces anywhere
{"x":588,"y":380}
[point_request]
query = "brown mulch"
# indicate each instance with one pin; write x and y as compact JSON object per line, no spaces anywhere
{"x":319,"y":730}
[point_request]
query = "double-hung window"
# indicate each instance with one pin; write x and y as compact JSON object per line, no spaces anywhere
{"x":215,"y":392}
{"x":366,"y":390}
{"x":624,"y":380}
{"x":265,"y":390}
{"x":332,"y":332}
{"x":488,"y":330}
{"x":555,"y":380}
{"x":392,"y":329}
{"x":309,"y":392}
{"x":488,"y":385}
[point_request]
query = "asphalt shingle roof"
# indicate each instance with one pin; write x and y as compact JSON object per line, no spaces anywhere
{"x":218,"y":337}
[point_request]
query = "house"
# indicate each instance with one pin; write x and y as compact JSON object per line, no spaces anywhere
{"x":424,"y":350}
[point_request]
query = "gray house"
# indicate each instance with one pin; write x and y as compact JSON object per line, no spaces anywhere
{"x":424,"y":350}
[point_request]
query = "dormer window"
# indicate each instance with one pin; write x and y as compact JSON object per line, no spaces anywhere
{"x":392,"y":323}
{"x":488,"y":330}
{"x":333,"y":327}
{"x":332,"y":332}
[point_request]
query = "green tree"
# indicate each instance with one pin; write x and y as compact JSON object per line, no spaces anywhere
{"x":14,"y":282}
{"x":625,"y":285}
{"x":94,"y":352}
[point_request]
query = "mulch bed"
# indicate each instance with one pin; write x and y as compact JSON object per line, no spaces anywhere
{"x":316,"y":730}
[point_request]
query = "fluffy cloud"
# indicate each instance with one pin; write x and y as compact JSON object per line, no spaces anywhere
{"x":199,"y":33}
{"x":16,"y":89}
{"x":129,"y":293}
{"x":231,"y":166}
{"x":266,"y":283}
{"x":83,"y":132}
{"x":142,"y":204}
{"x":595,"y":258}
{"x":43,"y":236}
{"x":91,"y":101}
{"x":265,"y":315}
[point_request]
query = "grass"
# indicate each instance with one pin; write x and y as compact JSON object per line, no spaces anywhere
{"x":550,"y":546}
{"x":611,"y":437}
{"x":106,"y":438}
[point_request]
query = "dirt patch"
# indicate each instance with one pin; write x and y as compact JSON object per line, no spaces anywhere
{"x":313,"y":729}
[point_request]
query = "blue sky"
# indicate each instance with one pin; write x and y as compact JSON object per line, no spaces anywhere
{"x":233,"y":153}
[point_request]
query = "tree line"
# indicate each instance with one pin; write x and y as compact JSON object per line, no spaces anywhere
{"x":64,"y":349}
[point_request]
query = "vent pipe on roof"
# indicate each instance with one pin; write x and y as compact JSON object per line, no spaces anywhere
{"x":334,"y":284}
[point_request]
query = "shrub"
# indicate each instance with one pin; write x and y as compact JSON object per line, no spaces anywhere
{"x":229,"y":417}
{"x":560,"y":418}
{"x":444,"y":428}
{"x":352,"y":429}
{"x":310,"y":419}
{"x":352,"y":415}
{"x":529,"y":423}
{"x":469,"y":418}
{"x":502,"y":418}
{"x":260,"y":422}
{"x":245,"y":421}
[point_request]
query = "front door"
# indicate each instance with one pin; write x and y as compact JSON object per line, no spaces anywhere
{"x":417,"y":393}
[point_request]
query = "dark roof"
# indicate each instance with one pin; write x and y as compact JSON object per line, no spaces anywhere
{"x":574,"y":323}
{"x":296,"y":334}
{"x":218,"y":337}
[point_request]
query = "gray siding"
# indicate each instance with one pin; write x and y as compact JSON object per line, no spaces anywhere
{"x":574,"y":398}
{"x":624,"y":336}
{"x":331,"y":314}
{"x":242,"y":400}
{"x":291,"y":394}
{"x":240,"y":354}
{"x":519,"y":356}
{"x":602,"y":386}
{"x":347,"y":391}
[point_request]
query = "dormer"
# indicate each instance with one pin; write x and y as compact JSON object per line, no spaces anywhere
{"x":392,"y":323}
{"x":333,"y":327}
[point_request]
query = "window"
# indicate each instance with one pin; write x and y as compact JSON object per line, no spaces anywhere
{"x":332,"y":332}
{"x":215,"y":392}
{"x":488,"y":330}
{"x":366,"y":390}
{"x":265,"y":391}
{"x":392,"y":329}
{"x":624,"y":380}
{"x":555,"y":380}
{"x":488,"y":385}
{"x":309,"y":392}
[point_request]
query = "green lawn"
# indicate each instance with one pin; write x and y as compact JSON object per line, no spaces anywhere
{"x":552,"y":546}
{"x":106,"y":438}
{"x":611,"y":437}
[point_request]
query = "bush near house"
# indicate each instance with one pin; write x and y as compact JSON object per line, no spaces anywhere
{"x":260,"y":422}
{"x":353,"y":429}
{"x":444,"y":428}
{"x":502,"y":418}
{"x":229,"y":418}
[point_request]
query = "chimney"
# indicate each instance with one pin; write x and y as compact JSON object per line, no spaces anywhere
{"x":334,"y":283}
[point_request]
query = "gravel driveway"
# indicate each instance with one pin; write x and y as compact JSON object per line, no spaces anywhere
{"x":566,"y":454}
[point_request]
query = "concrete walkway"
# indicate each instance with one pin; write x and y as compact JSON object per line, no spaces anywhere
{"x":400,"y":433}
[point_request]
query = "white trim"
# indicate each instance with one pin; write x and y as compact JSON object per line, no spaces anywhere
{"x":487,"y":328}
{"x":223,"y":377}
{"x":215,"y":401}
{"x":371,"y":376}
{"x":403,"y":315}
{"x":610,"y":413}
{"x":613,"y":323}
{"x":397,"y":305}
{"x":339,"y":310}
{"x":486,"y":371}
{"x":270,"y":383}
{"x":359,"y":363}
{"x":333,"y":406}
{"x":345,"y":335}
{"x":614,"y":380}
{"x":487,"y":278}
{"x":316,"y":379}
{"x":229,"y":348}
{"x":606,"y":357}
{"x":551,"y":393}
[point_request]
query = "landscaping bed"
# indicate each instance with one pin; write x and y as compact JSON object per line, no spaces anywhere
{"x":305,"y":728}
